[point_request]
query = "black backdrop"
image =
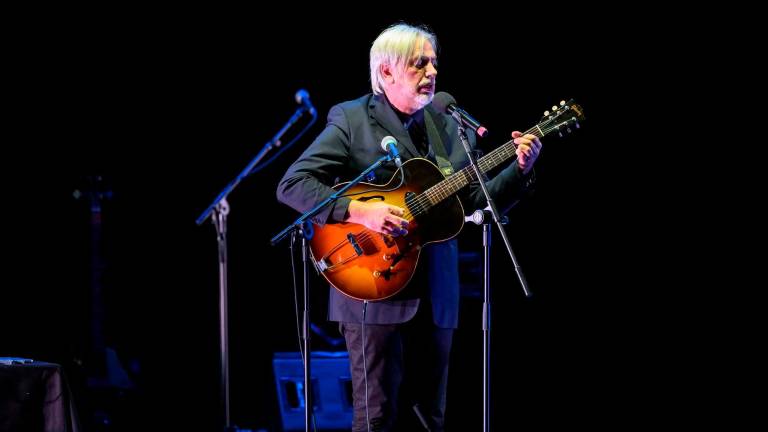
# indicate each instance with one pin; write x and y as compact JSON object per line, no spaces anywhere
{"x":168,"y":111}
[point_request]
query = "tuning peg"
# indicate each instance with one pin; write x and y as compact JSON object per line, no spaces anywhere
{"x":562,"y":103}
{"x":554,"y":107}
{"x":546,"y":113}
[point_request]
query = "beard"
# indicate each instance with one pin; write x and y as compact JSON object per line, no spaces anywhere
{"x":424,"y":99}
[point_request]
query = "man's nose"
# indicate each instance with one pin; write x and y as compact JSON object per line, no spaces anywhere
{"x":431,"y":70}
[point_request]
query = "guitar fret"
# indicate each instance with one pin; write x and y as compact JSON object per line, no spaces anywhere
{"x":459,"y":179}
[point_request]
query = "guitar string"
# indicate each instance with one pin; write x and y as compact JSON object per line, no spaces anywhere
{"x":423,"y":201}
{"x":442,"y":190}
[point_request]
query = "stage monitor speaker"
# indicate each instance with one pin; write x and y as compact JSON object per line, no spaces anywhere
{"x":331,"y":390}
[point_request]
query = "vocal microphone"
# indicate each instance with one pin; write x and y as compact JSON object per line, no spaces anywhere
{"x":444,"y":102}
{"x":389,"y":144}
{"x":302,"y":98}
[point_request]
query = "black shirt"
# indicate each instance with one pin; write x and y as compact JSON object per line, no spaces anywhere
{"x":414,"y":124}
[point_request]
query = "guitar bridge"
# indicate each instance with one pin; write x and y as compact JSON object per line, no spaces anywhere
{"x":353,"y":241}
{"x":361,"y":244}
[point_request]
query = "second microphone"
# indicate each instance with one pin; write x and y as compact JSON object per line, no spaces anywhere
{"x":389,"y":144}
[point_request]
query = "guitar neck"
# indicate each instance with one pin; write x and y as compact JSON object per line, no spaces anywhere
{"x":458,"y":180}
{"x":562,"y":116}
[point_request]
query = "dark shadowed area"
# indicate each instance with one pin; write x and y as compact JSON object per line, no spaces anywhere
{"x":149,"y":121}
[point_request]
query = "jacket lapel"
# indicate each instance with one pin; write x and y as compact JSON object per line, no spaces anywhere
{"x":379,"y":112}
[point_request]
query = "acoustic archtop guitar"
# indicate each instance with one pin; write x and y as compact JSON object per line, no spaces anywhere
{"x":367,"y":265}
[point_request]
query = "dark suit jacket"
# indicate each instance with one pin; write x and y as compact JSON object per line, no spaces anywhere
{"x":349,"y":144}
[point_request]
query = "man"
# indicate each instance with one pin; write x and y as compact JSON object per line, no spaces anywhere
{"x":398,"y":347}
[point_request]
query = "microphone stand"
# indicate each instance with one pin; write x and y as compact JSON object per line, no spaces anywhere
{"x":303,"y":226}
{"x":483,"y":217}
{"x":491,"y":205}
{"x":486,"y":301}
{"x":220,"y":209}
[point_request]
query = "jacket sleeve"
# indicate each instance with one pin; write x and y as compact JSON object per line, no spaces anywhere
{"x":309,"y":179}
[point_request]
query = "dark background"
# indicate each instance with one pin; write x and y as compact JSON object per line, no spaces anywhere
{"x":168,"y":111}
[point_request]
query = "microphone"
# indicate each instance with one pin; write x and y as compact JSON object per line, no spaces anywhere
{"x":302,"y":98}
{"x":389,"y":144}
{"x":447,"y":104}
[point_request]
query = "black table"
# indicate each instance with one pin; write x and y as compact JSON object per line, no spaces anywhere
{"x":35,"y":396}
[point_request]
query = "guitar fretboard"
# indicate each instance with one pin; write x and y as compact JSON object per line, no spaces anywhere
{"x":442,"y":190}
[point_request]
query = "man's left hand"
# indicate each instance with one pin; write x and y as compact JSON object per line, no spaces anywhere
{"x":528,"y":148}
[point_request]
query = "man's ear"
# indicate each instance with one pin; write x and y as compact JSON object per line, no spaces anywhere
{"x":387,"y":73}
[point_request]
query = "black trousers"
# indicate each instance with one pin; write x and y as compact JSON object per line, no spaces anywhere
{"x":406,"y":365}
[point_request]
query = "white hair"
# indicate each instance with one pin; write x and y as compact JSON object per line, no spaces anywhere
{"x":395,"y":46}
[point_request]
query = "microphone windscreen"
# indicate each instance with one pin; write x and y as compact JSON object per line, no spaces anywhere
{"x":388,"y":140}
{"x":442,"y":101}
{"x":302,"y":97}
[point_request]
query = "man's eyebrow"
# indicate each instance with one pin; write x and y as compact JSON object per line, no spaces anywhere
{"x":424,"y":58}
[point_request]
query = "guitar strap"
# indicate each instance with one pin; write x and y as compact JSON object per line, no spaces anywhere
{"x":436,"y":141}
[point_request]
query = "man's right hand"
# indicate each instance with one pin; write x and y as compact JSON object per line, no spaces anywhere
{"x":378,"y":216}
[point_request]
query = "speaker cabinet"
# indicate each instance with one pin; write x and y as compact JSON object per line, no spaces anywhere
{"x":331,"y":389}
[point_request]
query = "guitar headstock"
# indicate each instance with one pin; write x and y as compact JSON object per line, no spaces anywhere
{"x":564,"y":116}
